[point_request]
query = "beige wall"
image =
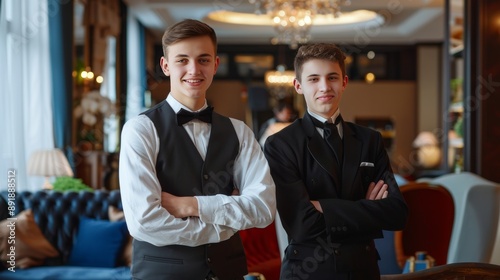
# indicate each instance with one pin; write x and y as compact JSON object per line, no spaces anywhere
{"x":395,"y":100}
{"x":429,"y":88}
{"x":227,"y":99}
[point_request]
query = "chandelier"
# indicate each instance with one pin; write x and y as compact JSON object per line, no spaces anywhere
{"x":293,"y":19}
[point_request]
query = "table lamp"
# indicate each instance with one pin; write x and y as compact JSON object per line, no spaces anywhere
{"x":49,"y":163}
{"x":428,"y":151}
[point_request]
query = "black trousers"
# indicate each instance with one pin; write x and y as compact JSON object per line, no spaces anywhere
{"x":225,"y":261}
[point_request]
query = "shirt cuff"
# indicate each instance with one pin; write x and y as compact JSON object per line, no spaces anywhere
{"x":209,"y":208}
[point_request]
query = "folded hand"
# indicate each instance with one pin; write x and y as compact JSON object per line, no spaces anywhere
{"x":179,"y":206}
{"x":377,"y":191}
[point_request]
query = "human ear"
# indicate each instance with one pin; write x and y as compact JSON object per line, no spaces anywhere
{"x":164,"y":66}
{"x":297,"y":86}
{"x":344,"y":82}
{"x":216,"y":66}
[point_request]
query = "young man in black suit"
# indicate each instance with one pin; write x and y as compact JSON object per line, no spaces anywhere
{"x":335,"y":188}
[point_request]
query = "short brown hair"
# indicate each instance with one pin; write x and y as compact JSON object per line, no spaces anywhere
{"x":325,"y":51}
{"x":186,"y":29}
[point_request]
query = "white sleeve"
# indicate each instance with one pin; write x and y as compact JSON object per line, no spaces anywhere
{"x":255,"y":206}
{"x":140,"y":190}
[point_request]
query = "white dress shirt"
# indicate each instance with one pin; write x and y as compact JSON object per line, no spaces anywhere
{"x":220,"y":216}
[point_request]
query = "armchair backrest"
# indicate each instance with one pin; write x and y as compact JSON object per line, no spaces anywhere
{"x":430,"y":222}
{"x":476,"y":235}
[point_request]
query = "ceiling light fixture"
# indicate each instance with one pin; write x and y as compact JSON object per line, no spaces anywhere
{"x":293,"y":18}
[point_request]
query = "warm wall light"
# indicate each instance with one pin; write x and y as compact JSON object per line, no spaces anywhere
{"x":370,"y":78}
{"x":280,"y":77}
{"x":87,"y":75}
{"x":49,"y":163}
{"x":280,"y":82}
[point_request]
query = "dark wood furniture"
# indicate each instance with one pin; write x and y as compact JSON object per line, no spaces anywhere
{"x":454,"y":271}
{"x":482,"y":86}
{"x":97,"y":169}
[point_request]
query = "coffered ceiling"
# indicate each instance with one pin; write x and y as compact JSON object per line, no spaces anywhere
{"x":406,"y":21}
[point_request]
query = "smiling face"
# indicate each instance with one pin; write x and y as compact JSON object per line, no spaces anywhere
{"x":191,"y":64}
{"x":322,"y":83}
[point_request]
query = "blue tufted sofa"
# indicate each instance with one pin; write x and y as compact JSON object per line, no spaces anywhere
{"x":57,"y":215}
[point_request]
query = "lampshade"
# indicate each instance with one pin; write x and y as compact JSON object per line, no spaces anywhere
{"x":428,"y":153}
{"x":425,"y":138}
{"x":49,"y":163}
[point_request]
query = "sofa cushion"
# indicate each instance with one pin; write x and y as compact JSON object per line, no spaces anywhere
{"x":98,"y":243}
{"x":28,"y":244}
{"x":57,"y":214}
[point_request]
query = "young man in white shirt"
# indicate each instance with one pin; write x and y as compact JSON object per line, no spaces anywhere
{"x":188,"y":186}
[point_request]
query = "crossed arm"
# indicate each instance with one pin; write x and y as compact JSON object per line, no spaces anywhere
{"x":182,"y":206}
{"x":375,"y":192}
{"x":187,"y":206}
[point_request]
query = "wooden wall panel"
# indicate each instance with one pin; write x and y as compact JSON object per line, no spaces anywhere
{"x":483,"y":25}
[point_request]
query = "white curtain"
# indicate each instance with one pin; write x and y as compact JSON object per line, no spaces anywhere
{"x":108,"y":89}
{"x":135,"y":90}
{"x":25,"y":89}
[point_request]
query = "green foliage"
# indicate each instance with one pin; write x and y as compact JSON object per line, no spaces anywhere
{"x":459,"y":127}
{"x":65,"y":184}
{"x":455,"y":83}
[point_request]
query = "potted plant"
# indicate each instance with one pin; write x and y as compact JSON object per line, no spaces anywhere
{"x":65,"y":184}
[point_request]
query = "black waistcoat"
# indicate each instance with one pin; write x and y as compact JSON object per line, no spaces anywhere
{"x":179,"y":166}
{"x":181,"y":171}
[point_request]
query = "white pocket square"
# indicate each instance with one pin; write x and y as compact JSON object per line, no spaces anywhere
{"x":364,"y":163}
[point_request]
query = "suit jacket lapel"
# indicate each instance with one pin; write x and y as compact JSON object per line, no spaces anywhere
{"x":352,"y":155}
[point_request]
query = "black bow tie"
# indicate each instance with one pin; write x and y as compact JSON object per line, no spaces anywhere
{"x":184,"y":116}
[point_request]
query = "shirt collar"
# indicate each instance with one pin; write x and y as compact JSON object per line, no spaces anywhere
{"x":176,"y":105}
{"x":322,"y":119}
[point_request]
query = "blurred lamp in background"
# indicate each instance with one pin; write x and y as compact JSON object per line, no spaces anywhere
{"x":280,"y":82}
{"x":428,"y":151}
{"x":49,"y":163}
